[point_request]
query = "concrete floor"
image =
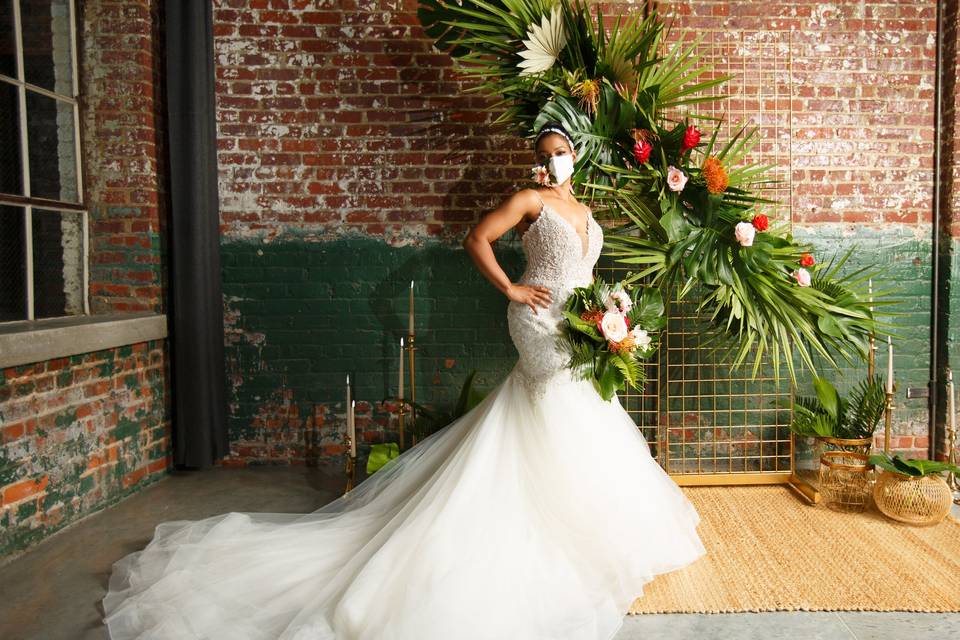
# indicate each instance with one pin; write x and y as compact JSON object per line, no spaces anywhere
{"x":54,"y":590}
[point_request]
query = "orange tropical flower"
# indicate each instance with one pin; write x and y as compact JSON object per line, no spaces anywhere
{"x":715,"y":175}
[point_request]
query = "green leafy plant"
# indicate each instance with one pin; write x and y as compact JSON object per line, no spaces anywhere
{"x":912,"y":467}
{"x":829,"y":415}
{"x":688,"y":212}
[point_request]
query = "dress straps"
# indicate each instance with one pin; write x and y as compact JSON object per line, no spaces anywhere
{"x":539,"y":198}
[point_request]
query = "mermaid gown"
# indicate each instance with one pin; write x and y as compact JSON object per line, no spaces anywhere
{"x":538,"y":515}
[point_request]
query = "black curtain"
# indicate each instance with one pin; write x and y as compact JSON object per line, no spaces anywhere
{"x":196,"y":305}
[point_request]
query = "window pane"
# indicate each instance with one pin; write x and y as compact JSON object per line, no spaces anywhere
{"x":8,"y":45}
{"x":46,"y":44}
{"x":13,"y":265}
{"x":11,"y":170}
{"x":57,"y":263}
{"x":50,"y":133}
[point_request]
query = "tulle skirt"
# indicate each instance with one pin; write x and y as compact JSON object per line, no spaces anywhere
{"x":519,"y":520}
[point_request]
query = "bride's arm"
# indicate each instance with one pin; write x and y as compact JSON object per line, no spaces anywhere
{"x":479,"y":244}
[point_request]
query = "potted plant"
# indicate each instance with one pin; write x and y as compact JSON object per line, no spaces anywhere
{"x":912,"y":490}
{"x":841,"y":424}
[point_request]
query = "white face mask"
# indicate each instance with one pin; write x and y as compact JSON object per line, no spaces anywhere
{"x":561,"y":168}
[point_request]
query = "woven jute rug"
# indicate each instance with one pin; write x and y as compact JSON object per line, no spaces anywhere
{"x":768,"y":550}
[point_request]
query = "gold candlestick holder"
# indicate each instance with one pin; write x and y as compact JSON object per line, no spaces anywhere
{"x":411,"y":348}
{"x":952,"y":480}
{"x":887,"y":421}
{"x":401,"y":412}
{"x":351,"y":467}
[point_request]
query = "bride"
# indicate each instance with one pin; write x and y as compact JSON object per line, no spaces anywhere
{"x":538,"y":515}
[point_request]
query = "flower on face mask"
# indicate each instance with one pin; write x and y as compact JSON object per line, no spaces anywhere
{"x":541,"y":175}
{"x":676,"y":179}
{"x":744,"y":233}
{"x":802,"y":277}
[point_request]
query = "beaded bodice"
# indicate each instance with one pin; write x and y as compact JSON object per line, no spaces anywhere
{"x":561,"y":259}
{"x":556,"y":253}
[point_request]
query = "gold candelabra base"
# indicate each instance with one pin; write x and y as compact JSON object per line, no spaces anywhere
{"x":351,"y":466}
{"x":887,"y":422}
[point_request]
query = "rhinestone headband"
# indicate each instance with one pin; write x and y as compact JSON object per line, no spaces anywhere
{"x":547,"y":130}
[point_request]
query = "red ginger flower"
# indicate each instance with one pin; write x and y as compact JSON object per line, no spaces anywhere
{"x":691,"y":138}
{"x":806,"y":260}
{"x":761,"y":222}
{"x":641,"y":151}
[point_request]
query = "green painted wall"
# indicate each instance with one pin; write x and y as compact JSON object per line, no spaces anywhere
{"x":300,"y":314}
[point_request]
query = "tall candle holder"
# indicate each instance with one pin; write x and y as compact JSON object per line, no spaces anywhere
{"x":952,"y":480}
{"x":411,"y":349}
{"x":887,"y":421}
{"x":351,"y":468}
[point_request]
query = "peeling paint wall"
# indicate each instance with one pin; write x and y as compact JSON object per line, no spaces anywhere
{"x":322,"y":116}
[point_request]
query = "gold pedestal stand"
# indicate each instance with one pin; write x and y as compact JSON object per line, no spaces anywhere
{"x":952,"y":480}
{"x":887,"y":420}
{"x":411,"y":349}
{"x":351,"y":470}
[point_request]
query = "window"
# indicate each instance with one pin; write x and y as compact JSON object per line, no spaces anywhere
{"x":43,"y":220}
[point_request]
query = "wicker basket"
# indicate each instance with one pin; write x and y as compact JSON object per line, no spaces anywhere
{"x":844,"y":480}
{"x":920,"y":500}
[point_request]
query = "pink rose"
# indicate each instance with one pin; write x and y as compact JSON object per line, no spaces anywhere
{"x":744,"y":232}
{"x":613,"y":325}
{"x":676,"y":179}
{"x":802,"y":276}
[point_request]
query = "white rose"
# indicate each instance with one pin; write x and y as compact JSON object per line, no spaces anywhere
{"x":745,"y":232}
{"x":676,"y":179}
{"x":614,"y":326}
{"x":620,"y":297}
{"x":641,"y":337}
{"x":802,"y":276}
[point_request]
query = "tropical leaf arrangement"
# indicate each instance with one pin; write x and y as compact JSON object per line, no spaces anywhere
{"x":687,"y":210}
{"x":609,"y":330}
{"x":829,"y":415}
{"x":912,"y":467}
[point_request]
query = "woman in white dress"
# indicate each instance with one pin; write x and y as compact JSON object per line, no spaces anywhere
{"x":538,"y":515}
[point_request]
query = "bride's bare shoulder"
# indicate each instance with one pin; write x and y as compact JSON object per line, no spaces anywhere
{"x":529,"y":201}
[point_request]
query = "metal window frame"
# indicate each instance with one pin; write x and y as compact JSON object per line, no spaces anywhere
{"x":27,"y":201}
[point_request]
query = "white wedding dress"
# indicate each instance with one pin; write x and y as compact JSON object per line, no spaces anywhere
{"x":538,"y":515}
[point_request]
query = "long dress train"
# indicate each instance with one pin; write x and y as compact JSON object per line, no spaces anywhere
{"x":538,"y":515}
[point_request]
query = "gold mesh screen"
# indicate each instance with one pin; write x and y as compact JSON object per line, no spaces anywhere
{"x":705,"y":422}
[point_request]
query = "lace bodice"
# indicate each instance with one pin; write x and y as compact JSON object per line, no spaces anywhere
{"x":559,"y":258}
{"x":555,"y":251}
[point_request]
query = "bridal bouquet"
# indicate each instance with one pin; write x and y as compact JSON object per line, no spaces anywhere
{"x":609,"y":329}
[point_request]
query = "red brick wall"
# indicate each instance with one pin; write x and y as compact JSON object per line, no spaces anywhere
{"x":121,"y":117}
{"x":78,"y":433}
{"x":316,"y":109}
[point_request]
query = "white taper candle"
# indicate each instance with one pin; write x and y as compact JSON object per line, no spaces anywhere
{"x":889,"y":364}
